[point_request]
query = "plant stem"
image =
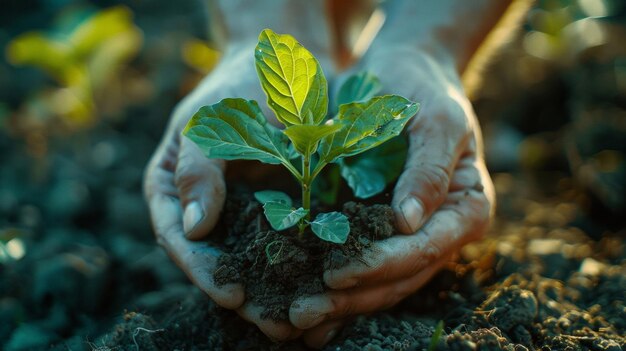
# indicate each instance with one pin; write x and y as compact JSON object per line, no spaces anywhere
{"x":306,"y":191}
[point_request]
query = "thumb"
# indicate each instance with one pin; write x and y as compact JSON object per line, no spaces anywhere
{"x":201,"y":188}
{"x":424,"y":183}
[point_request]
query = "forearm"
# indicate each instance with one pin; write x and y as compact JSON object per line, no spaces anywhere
{"x":447,"y":29}
{"x":240,"y":21}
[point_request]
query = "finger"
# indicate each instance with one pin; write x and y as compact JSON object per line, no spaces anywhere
{"x":435,"y":145}
{"x":311,"y":311}
{"x":462,"y":218}
{"x":201,"y":188}
{"x":277,"y":331}
{"x":322,"y":334}
{"x":197,"y":260}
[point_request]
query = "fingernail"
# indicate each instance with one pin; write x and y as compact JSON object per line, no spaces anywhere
{"x":330,"y":335}
{"x":412,"y":212}
{"x":319,"y":303}
{"x":193,"y":215}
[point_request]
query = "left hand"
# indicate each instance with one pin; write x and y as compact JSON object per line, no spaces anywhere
{"x":443,"y":199}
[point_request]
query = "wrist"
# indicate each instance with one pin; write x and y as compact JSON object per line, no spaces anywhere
{"x":446,"y":29}
{"x":431,"y":61}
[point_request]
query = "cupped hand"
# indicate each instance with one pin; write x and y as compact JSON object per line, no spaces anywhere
{"x":185,"y":191}
{"x":443,"y":199}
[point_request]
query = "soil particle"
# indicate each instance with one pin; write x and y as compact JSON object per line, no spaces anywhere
{"x":511,"y":307}
{"x":481,"y":339}
{"x":383,"y":333}
{"x":367,"y":223}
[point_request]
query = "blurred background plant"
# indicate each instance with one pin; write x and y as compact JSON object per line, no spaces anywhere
{"x":555,"y":99}
{"x":85,"y":52}
{"x":85,"y":90}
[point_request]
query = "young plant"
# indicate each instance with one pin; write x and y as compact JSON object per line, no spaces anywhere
{"x":296,"y":91}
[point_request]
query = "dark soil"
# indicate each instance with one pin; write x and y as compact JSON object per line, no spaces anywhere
{"x":278,"y":267}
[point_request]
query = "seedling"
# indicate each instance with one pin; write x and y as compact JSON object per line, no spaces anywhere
{"x":296,"y":91}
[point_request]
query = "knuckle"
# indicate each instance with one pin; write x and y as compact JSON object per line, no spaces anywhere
{"x":219,"y":188}
{"x":436,"y":179}
{"x":349,"y":309}
{"x":343,"y":306}
{"x":186,"y":173}
{"x":433,"y":248}
{"x":417,"y":265}
{"x":164,"y":233}
{"x":182,"y":180}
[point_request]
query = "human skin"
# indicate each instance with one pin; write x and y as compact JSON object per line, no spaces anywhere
{"x":443,"y":199}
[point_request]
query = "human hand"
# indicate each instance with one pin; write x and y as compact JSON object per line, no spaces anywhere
{"x":443,"y":199}
{"x":185,"y":191}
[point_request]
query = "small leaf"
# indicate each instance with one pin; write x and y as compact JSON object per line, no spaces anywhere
{"x":272,"y":258}
{"x":367,"y":125}
{"x":363,"y":181}
{"x":305,"y":138}
{"x":368,"y":173}
{"x":292,"y":79}
{"x":434,"y":339}
{"x":359,"y":87}
{"x":266,"y":196}
{"x":332,"y":226}
{"x":281,"y":216}
{"x":235,"y":129}
{"x":54,"y":57}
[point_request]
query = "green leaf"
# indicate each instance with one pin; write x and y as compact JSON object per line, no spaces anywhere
{"x":282,"y":216}
{"x":359,"y":87}
{"x":326,"y":185}
{"x":305,"y":138}
{"x":292,"y":79}
{"x":367,"y":125}
{"x":434,"y":339}
{"x":368,"y":173}
{"x":332,"y":226}
{"x":266,"y":196}
{"x":364,"y":182}
{"x":235,"y":129}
